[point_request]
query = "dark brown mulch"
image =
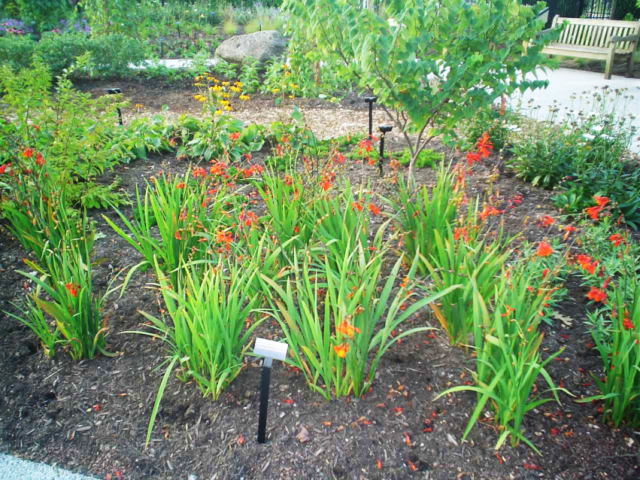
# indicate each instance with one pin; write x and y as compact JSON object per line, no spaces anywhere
{"x":92,"y":416}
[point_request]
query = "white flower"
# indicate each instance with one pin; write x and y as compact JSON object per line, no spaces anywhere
{"x":512,"y":128}
{"x":588,"y":136}
{"x":597,"y":128}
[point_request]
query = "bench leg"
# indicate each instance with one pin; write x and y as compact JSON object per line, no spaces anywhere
{"x":630,"y":66}
{"x":609,"y":67}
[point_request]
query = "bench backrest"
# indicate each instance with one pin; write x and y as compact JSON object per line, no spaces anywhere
{"x":595,"y":33}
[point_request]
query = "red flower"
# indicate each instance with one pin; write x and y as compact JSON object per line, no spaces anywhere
{"x":224,"y":238}
{"x":473,"y":158}
{"x":547,"y":221}
{"x":177,"y":235}
{"x":593,"y":212}
{"x":489,"y":211}
{"x":484,"y":145}
{"x":338,"y":158}
{"x":27,"y":153}
{"x":248,"y":218}
{"x":365,"y":146}
{"x":544,"y":249}
{"x":72,"y":289}
{"x":39,"y":159}
{"x":3,"y":168}
{"x":601,"y":201}
{"x":234,"y":136}
{"x":180,"y":186}
{"x":461,"y":232}
{"x":617,"y":239}
{"x":288,"y":180}
{"x":373,"y":209}
{"x":626,"y":323}
{"x":597,"y":295}
{"x":199,"y":172}
{"x":357,"y":206}
{"x":325,"y":184}
{"x":218,"y":168}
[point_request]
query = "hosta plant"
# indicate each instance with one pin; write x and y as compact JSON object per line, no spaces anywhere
{"x":338,"y":323}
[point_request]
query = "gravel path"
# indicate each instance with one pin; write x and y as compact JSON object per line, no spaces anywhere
{"x":12,"y":468}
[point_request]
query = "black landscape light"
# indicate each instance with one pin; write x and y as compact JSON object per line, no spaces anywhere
{"x":116,"y":91}
{"x":270,"y":350}
{"x":384,"y":129}
{"x":370,"y":101}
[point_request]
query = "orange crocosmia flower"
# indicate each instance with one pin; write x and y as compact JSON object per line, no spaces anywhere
{"x":597,"y":295}
{"x":180,"y":186}
{"x":288,"y":180}
{"x":601,"y":201}
{"x":593,"y":212}
{"x":338,"y":158}
{"x":626,"y":323}
{"x":341,"y":350}
{"x":346,"y":329}
{"x":325,"y":184}
{"x":27,"y":153}
{"x":199,"y":172}
{"x":544,"y":249}
{"x":489,"y":211}
{"x":473,"y":157}
{"x":373,"y":209}
{"x":234,"y":136}
{"x":218,"y":168}
{"x":547,"y":221}
{"x":357,"y":206}
{"x":39,"y":159}
{"x":177,"y":235}
{"x":460,"y":232}
{"x":617,"y":239}
{"x":72,"y":289}
{"x":484,"y":146}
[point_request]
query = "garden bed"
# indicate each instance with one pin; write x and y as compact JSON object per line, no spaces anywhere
{"x":91,"y":416}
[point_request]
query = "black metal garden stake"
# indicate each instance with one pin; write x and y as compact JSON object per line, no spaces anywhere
{"x":384,"y":129}
{"x":116,"y":91}
{"x":370,"y":101}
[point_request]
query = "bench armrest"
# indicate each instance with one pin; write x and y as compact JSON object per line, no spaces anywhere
{"x":628,"y":38}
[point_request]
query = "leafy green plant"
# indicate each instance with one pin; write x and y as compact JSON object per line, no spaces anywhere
{"x":229,"y":27}
{"x":426,"y":158}
{"x":508,"y":357}
{"x":336,"y":323}
{"x":249,"y":75}
{"x":458,"y":258}
{"x":206,"y":337}
{"x":188,"y":220}
{"x":419,"y":215}
{"x":460,"y":46}
{"x":616,"y":334}
{"x":64,"y":275}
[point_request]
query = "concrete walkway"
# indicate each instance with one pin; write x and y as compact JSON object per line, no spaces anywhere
{"x":566,"y":82}
{"x":12,"y":468}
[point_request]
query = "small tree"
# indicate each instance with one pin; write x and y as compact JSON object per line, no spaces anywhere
{"x":431,"y":63}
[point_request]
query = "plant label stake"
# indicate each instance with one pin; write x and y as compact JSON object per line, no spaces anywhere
{"x":116,"y":91}
{"x":384,"y":129}
{"x":370,"y":101}
{"x":269,"y":350}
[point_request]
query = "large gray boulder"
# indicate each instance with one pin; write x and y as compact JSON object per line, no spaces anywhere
{"x":260,"y":45}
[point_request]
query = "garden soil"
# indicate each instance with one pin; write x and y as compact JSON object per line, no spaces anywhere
{"x":92,"y":416}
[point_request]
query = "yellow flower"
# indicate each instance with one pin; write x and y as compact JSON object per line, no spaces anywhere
{"x":211,"y":79}
{"x":217,"y":88}
{"x":238,"y":84}
{"x":287,"y":74}
{"x":226,"y":84}
{"x":225,"y":95}
{"x":228,"y":108}
{"x":198,"y":78}
{"x":292,"y":96}
{"x":235,"y":89}
{"x":138,"y":105}
{"x":276,"y":90}
{"x":218,"y":112}
{"x":285,"y":66}
{"x":202,"y":99}
{"x":223,"y":102}
{"x":293,"y":85}
{"x":198,"y":85}
{"x":244,"y":97}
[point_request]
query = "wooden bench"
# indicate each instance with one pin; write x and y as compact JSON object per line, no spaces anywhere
{"x":596,"y":39}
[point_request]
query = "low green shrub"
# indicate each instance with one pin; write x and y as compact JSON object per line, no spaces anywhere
{"x":426,"y":158}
